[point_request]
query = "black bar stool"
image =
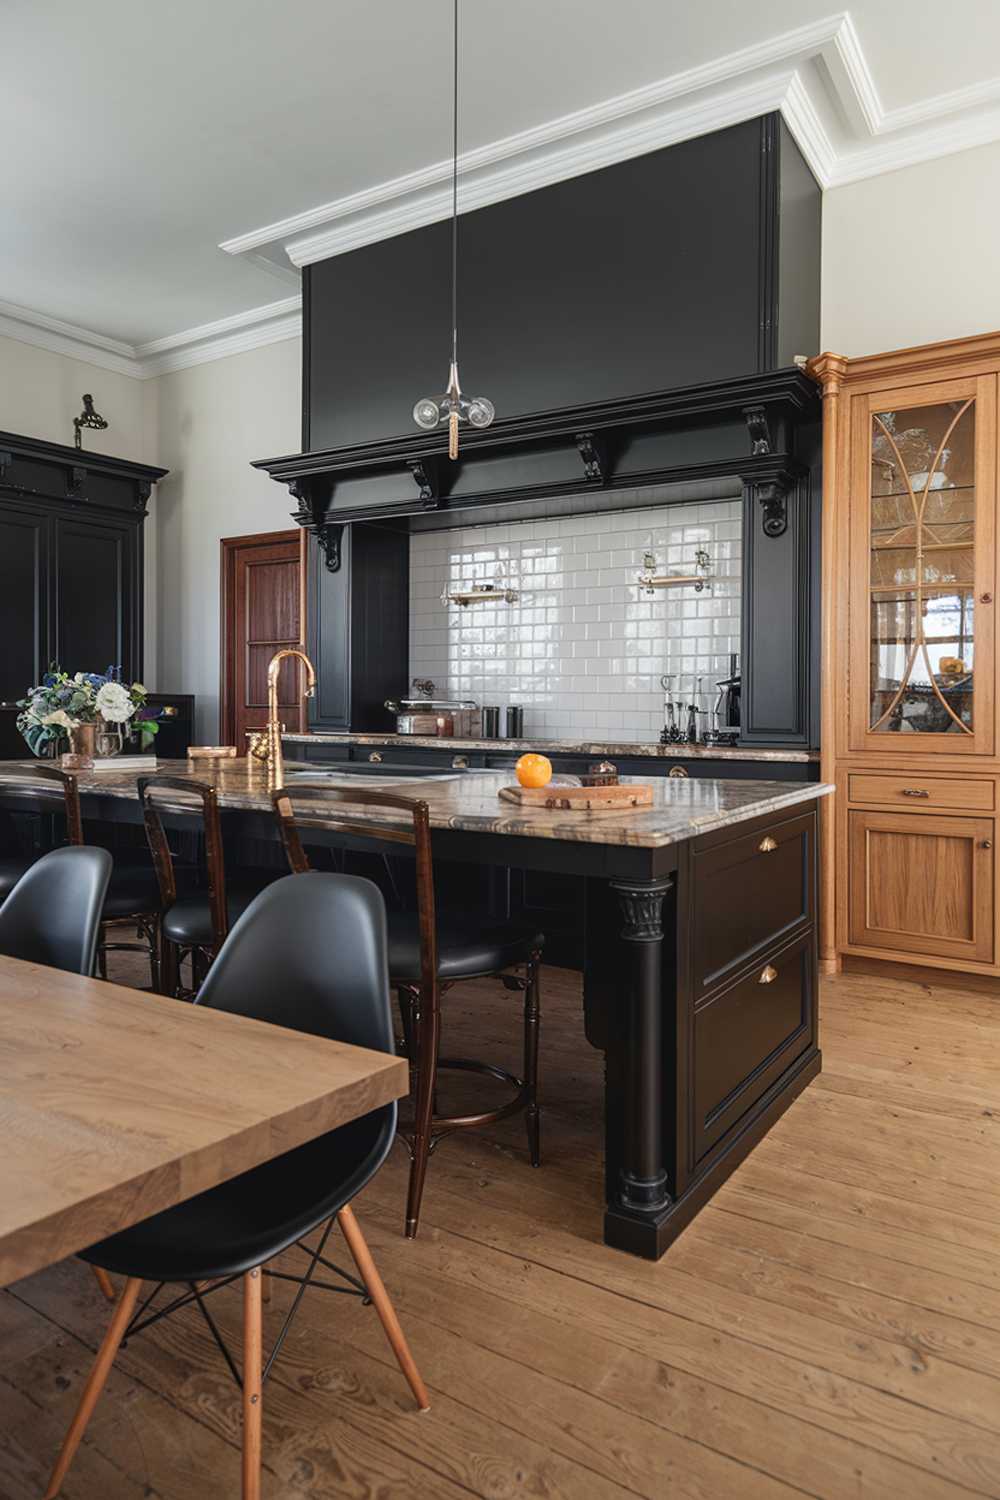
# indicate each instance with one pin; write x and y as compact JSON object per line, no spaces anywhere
{"x":425,"y":959}
{"x":194,"y":923}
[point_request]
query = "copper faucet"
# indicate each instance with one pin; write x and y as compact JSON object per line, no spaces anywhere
{"x":271,"y":751}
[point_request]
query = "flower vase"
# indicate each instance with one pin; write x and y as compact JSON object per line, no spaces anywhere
{"x":82,"y":740}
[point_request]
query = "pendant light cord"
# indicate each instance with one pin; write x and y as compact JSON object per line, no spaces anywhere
{"x":454,"y":197}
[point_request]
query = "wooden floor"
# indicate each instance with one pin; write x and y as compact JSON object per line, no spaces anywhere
{"x":833,"y":1331}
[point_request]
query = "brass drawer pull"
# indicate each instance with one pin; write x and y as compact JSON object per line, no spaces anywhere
{"x":460,"y":762}
{"x":768,"y":975}
{"x":677,"y":771}
{"x":767,"y":845}
{"x":986,"y":844}
{"x":914,"y":791}
{"x":375,"y":758}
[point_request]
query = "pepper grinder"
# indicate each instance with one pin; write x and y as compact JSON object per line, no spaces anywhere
{"x":693,"y":711}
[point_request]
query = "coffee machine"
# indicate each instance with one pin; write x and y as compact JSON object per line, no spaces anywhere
{"x":726,"y":713}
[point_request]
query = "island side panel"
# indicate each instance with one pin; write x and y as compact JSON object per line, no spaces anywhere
{"x":738,"y":988}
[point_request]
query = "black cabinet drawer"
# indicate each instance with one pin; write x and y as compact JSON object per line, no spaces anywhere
{"x":746,"y":1035}
{"x":322,"y":754}
{"x":749,"y":892}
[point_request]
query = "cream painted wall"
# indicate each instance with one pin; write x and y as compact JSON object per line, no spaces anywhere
{"x":911,"y":257}
{"x":212,"y":420}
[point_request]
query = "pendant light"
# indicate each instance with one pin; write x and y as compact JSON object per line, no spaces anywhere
{"x":453,"y":408}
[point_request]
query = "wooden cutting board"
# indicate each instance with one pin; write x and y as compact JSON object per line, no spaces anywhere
{"x":579,"y":798}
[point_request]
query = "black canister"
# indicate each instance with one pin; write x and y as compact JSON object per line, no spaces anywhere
{"x":515,"y":722}
{"x":491,"y":723}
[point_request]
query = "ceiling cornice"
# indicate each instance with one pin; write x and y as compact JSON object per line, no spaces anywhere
{"x":816,"y":75}
{"x":195,"y":346}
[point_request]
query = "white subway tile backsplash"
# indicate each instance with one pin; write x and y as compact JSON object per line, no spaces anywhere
{"x":581,"y":649}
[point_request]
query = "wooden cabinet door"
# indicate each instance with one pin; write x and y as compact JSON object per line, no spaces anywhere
{"x":98,"y":586}
{"x":24,"y":600}
{"x":922,"y":502}
{"x":263,"y":610}
{"x":919,"y":883}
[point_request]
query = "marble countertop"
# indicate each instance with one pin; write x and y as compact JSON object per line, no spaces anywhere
{"x":596,"y":748}
{"x":682,"y":808}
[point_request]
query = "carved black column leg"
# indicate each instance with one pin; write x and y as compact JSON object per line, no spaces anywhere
{"x":640,"y":1187}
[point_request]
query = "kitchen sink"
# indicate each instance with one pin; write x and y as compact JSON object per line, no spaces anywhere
{"x":342,"y":772}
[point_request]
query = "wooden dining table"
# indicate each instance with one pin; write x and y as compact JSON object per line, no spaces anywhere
{"x":116,"y":1104}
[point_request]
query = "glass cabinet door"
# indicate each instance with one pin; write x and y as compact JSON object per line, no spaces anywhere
{"x":928,"y":571}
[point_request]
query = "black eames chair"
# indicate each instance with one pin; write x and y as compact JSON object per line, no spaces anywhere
{"x":53,"y":914}
{"x":309,"y":954}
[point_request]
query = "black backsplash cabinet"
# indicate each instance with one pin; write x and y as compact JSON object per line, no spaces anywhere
{"x":71,"y":566}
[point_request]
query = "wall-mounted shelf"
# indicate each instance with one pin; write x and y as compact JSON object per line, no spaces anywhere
{"x":480,"y":593}
{"x":650,"y":580}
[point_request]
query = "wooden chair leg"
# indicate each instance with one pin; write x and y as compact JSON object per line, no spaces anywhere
{"x":426,"y":1042}
{"x":368,"y":1271}
{"x":105,"y":1283}
{"x":95,"y":1384}
{"x":169,"y":967}
{"x":532,"y":1018}
{"x":252,"y":1360}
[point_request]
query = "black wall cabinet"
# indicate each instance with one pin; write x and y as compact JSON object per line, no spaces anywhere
{"x":71,"y":566}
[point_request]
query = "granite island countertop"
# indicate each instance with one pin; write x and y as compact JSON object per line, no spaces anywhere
{"x":467,"y":800}
{"x":600,"y":749}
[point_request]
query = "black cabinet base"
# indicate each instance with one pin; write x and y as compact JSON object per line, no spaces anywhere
{"x":650,"y":1235}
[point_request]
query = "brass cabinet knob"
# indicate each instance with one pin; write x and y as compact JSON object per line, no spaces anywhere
{"x":915,"y":791}
{"x":460,"y":762}
{"x":767,"y":845}
{"x":986,"y":844}
{"x":986,"y":598}
{"x":677,"y":771}
{"x":768,"y":975}
{"x":375,"y":758}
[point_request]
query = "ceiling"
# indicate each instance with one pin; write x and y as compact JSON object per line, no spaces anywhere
{"x":172,"y":166}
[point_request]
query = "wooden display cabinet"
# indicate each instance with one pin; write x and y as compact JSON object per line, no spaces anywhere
{"x":910,"y":699}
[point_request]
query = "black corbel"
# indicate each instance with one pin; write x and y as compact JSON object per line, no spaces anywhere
{"x":330,"y":538}
{"x":759,"y":430}
{"x":425,"y":477}
{"x":773,"y":494}
{"x":143,"y":490}
{"x":592,"y":451}
{"x":75,"y":483}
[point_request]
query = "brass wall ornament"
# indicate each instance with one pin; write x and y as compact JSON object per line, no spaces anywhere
{"x":87,"y":418}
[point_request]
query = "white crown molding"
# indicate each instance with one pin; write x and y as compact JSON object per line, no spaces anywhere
{"x":233,"y":335}
{"x":195,"y":346}
{"x":57,"y":337}
{"x":816,"y":75}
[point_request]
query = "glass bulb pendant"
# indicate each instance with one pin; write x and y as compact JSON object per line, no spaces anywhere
{"x":453,"y":408}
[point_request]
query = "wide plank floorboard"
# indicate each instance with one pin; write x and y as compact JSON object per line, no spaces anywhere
{"x":829,"y":1326}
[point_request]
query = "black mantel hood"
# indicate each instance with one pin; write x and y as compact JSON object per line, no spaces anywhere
{"x":746,"y":428}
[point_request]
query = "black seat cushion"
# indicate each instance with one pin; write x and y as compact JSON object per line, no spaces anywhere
{"x":189,"y":920}
{"x":244,"y":1222}
{"x":12,"y":867}
{"x":133,"y":887}
{"x":465,"y":947}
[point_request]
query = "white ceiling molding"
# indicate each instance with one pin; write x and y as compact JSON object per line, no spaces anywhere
{"x":65,"y":338}
{"x":817,"y":75}
{"x":195,"y":346}
{"x":234,"y":335}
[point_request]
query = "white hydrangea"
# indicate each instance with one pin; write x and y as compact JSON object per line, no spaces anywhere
{"x":114,"y":703}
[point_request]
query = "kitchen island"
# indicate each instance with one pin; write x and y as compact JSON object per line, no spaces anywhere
{"x":700,"y":979}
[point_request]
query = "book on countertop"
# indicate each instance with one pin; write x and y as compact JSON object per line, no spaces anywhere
{"x":123,"y":763}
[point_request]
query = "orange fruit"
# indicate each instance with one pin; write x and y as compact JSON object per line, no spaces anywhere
{"x":534,"y":770}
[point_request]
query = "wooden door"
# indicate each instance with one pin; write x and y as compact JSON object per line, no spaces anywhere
{"x":920,"y":883}
{"x":263,"y":610}
{"x":923,"y":495}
